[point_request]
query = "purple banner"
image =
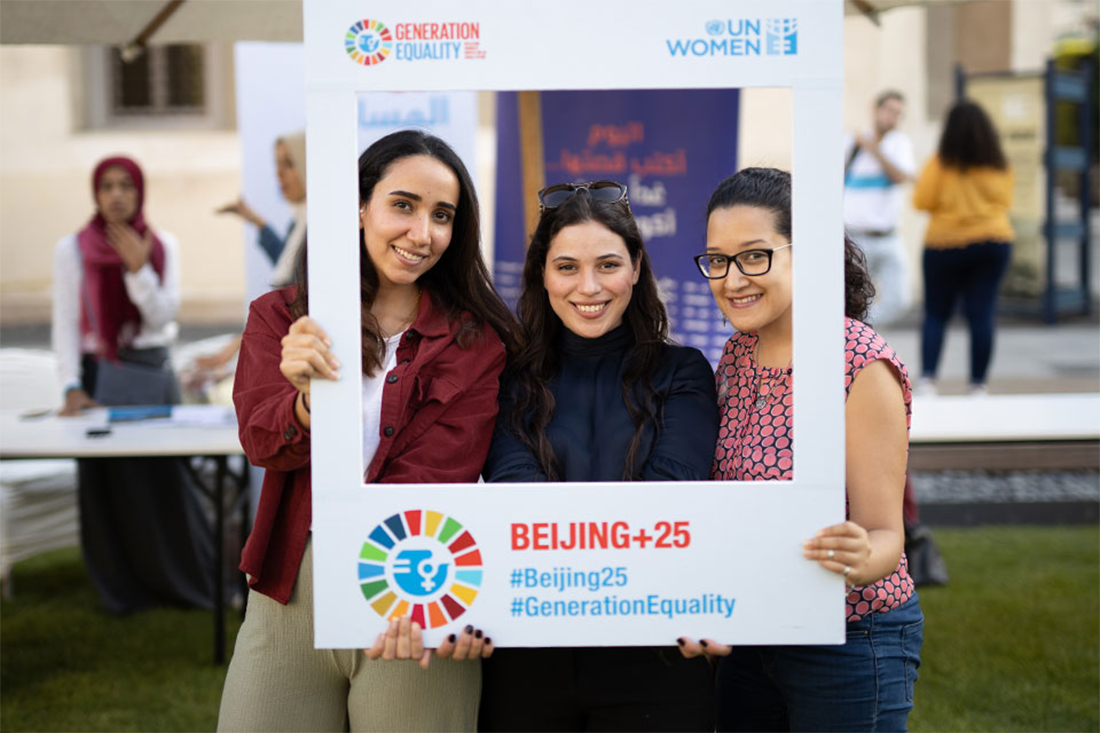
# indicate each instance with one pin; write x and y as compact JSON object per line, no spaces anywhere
{"x":671,"y":149}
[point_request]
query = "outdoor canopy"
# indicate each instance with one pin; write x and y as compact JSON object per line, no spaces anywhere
{"x":122,"y":22}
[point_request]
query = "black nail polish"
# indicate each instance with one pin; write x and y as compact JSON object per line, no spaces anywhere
{"x":477,"y":634}
{"x":468,"y":630}
{"x":680,"y":642}
{"x":704,"y":643}
{"x":451,"y":638}
{"x":488,"y":641}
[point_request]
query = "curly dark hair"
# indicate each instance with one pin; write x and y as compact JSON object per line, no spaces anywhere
{"x":969,"y":139}
{"x":770,"y":189}
{"x":459,"y":282}
{"x":540,"y":329}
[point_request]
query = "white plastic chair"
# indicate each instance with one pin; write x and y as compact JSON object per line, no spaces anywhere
{"x":38,"y":502}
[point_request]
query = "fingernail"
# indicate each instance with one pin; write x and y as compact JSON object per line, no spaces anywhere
{"x":335,"y":363}
{"x":680,"y":641}
{"x":488,"y":641}
{"x":704,"y":643}
{"x":477,"y":634}
{"x":469,"y":629}
{"x":451,"y":638}
{"x":415,"y":626}
{"x":328,"y":341}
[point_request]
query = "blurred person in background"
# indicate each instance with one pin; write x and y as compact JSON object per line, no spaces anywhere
{"x":877,"y":163}
{"x":967,"y":188}
{"x":115,"y":300}
{"x":290,"y":165}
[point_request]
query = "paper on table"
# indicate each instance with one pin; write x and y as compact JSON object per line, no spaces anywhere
{"x":211,"y":416}
{"x":204,"y":415}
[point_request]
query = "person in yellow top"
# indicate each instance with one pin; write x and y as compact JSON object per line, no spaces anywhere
{"x":967,"y":188}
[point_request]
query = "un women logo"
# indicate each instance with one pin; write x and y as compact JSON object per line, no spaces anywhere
{"x":420,"y":564}
{"x":368,"y":42}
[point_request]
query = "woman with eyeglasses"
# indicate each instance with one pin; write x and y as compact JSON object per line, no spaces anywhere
{"x":432,"y":352}
{"x":597,"y":394}
{"x":866,"y":683}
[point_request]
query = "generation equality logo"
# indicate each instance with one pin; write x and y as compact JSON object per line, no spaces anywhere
{"x":742,"y":37}
{"x":369,"y":42}
{"x":420,"y":564}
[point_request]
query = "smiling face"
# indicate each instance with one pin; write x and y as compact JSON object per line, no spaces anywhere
{"x":289,"y":181}
{"x":116,"y":196}
{"x":589,"y":278}
{"x":408,"y":222}
{"x":750,"y":303}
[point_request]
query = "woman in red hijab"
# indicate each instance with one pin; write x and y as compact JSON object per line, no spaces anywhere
{"x":116,"y":295}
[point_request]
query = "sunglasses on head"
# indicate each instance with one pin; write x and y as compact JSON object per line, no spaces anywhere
{"x":610,"y":192}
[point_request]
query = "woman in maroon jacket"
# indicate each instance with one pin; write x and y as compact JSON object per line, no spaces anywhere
{"x":432,"y":353}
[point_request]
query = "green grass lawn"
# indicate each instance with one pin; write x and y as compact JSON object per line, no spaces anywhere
{"x":1012,"y":644}
{"x":67,"y":666}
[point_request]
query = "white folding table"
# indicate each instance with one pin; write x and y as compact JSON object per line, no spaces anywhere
{"x":91,"y":436}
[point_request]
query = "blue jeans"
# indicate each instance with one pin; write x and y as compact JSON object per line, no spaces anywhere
{"x":974,"y":273}
{"x":865,"y":684}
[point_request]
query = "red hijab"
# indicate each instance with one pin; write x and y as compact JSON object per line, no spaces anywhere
{"x":113,"y":317}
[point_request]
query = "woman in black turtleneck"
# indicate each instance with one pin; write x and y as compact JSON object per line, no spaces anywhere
{"x":598,"y":393}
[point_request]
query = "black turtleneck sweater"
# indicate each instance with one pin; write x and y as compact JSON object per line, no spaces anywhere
{"x":591,"y":429}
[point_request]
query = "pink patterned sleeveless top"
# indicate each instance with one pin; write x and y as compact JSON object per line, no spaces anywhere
{"x":754,"y":437}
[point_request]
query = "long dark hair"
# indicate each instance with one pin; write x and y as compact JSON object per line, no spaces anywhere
{"x":969,"y":139}
{"x":541,"y":330}
{"x":770,"y":189}
{"x":459,"y":282}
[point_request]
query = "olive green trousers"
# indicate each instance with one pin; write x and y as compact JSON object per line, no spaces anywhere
{"x":277,"y":681}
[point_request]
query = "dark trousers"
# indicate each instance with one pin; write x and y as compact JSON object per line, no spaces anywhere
{"x":145,"y":539}
{"x":972,"y":273}
{"x":596,"y":689}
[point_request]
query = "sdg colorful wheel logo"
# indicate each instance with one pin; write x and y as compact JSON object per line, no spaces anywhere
{"x":368,"y":42}
{"x":421,"y":564}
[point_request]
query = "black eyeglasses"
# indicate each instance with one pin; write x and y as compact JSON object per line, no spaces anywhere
{"x":610,"y":192}
{"x":751,"y":262}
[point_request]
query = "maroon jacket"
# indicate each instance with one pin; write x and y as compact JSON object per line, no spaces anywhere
{"x":438,"y":409}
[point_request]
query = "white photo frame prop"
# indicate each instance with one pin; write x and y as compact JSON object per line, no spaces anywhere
{"x":730,"y":564}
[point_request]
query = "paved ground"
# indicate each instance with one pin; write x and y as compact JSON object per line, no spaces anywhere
{"x":1028,"y":357}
